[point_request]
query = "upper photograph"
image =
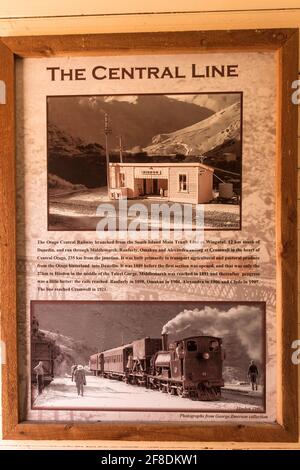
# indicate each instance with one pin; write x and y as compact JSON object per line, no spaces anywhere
{"x":174,"y":154}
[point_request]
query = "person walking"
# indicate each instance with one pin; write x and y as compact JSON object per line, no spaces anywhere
{"x":39,"y":370}
{"x":253,"y":375}
{"x":80,"y":379}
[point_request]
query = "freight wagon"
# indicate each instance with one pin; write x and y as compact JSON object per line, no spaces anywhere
{"x":42,"y":350}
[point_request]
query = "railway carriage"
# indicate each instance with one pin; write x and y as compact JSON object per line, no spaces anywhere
{"x":114,"y":361}
{"x":96,"y":363}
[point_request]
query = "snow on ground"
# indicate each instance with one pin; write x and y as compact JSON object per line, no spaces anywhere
{"x":245,"y":388}
{"x":103,"y":393}
{"x":77,"y":210}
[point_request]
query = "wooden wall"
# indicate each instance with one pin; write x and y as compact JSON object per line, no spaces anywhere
{"x":33,"y":17}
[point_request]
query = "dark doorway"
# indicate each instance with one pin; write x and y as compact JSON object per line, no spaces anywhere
{"x":155,"y":187}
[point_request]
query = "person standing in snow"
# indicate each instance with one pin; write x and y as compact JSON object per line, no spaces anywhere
{"x":39,"y":370}
{"x":80,"y":379}
{"x":253,"y":374}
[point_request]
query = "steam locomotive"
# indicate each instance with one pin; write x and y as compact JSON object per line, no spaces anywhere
{"x":190,"y":367}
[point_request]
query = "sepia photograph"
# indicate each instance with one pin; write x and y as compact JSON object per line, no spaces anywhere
{"x":152,"y":356}
{"x":172,"y":151}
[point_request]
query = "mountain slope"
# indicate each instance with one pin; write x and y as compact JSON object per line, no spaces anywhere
{"x":201,"y":137}
{"x":137,"y":121}
{"x":74,"y":161}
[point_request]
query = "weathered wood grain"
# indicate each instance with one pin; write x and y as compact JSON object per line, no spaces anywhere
{"x":287,"y":229}
{"x":8,"y":242}
{"x":148,"y":43}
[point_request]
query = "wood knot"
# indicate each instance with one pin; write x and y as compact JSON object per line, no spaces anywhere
{"x":279,"y":36}
{"x":68,"y":427}
{"x":48,"y":52}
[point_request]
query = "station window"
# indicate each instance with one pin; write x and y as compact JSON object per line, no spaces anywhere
{"x":183,"y":183}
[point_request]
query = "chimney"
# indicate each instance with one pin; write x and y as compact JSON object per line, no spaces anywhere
{"x":164,"y":339}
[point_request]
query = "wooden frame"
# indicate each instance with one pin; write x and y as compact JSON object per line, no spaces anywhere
{"x":285,"y":43}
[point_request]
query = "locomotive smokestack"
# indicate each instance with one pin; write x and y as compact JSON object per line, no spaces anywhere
{"x":164,"y":339}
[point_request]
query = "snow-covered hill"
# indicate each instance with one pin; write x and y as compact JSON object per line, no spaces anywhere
{"x":69,"y":352}
{"x":201,"y":137}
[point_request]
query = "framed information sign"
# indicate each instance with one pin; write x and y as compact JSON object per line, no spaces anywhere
{"x":148,"y":236}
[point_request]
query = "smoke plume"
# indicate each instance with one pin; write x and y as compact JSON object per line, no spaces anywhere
{"x":244,"y":321}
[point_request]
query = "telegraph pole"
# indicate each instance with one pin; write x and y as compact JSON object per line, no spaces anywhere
{"x":121,"y":148}
{"x":107,"y":131}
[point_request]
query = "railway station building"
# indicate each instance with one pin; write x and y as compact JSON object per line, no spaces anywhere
{"x":176,"y":182}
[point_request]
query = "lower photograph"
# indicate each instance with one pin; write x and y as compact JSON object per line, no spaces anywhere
{"x":148,"y":356}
